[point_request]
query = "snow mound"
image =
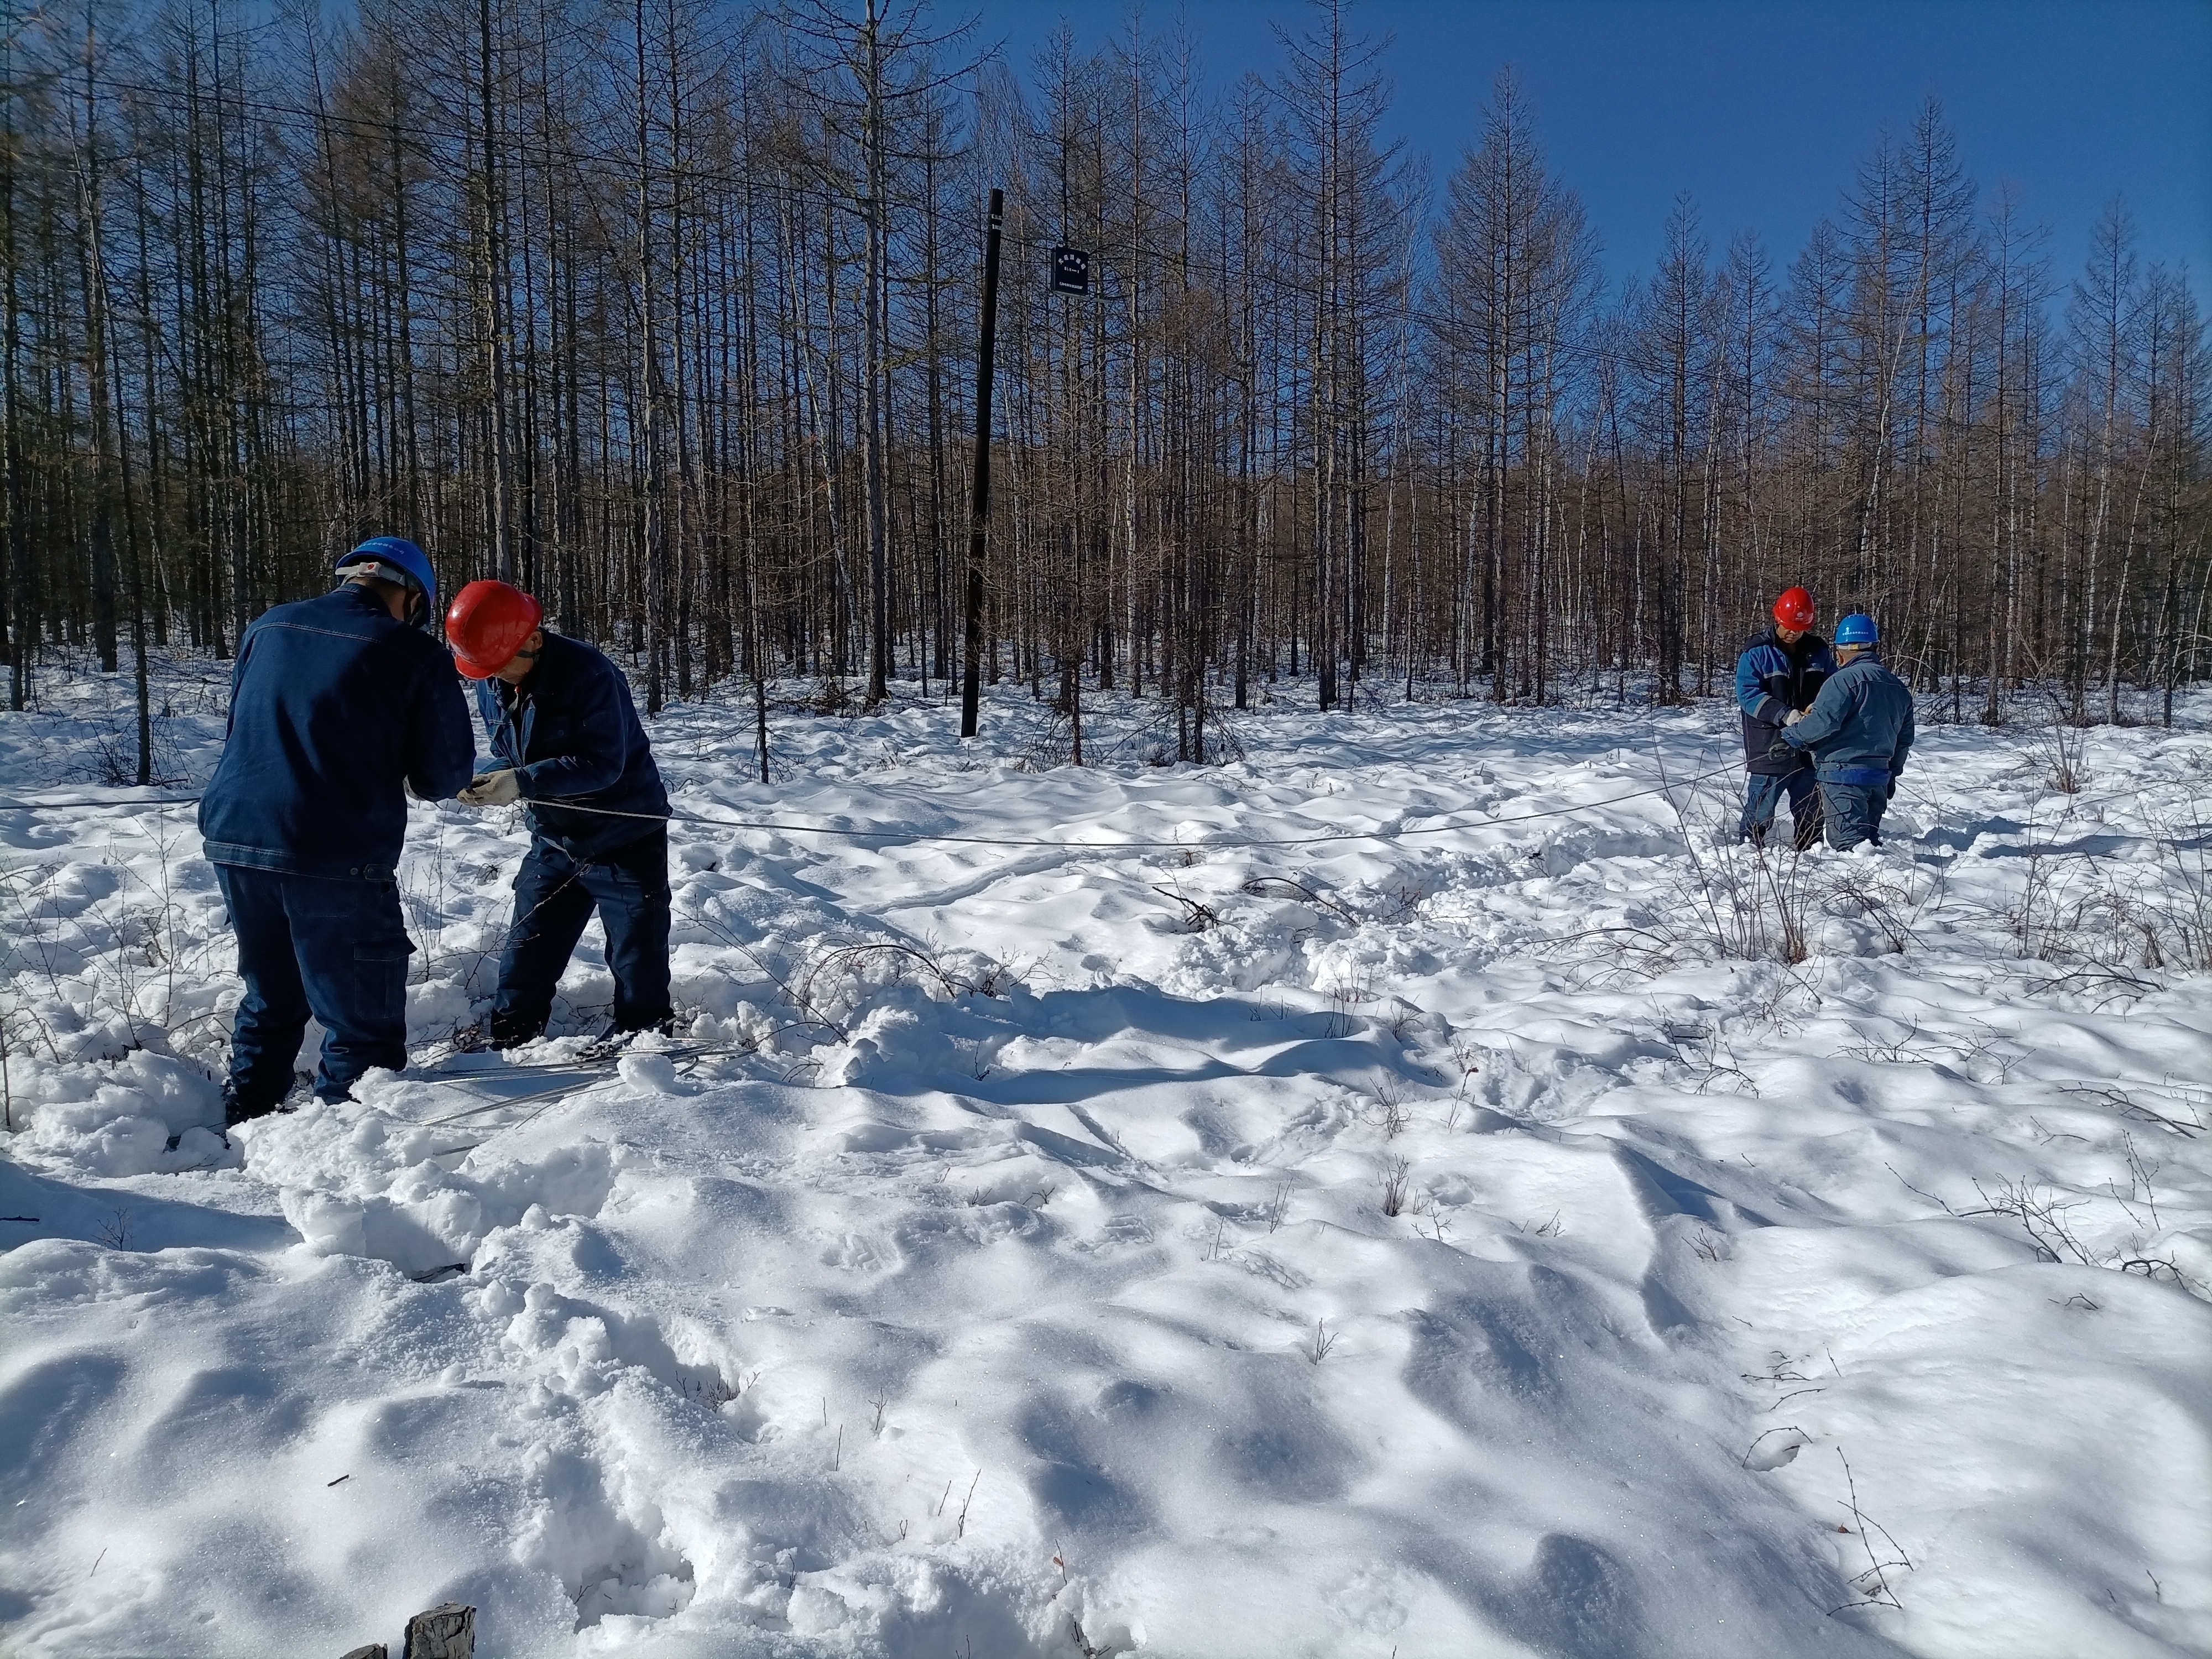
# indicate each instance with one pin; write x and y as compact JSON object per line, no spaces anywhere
{"x":357,"y":1180}
{"x":115,"y":1118}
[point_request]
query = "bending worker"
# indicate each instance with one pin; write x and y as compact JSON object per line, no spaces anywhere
{"x":335,"y":703}
{"x":566,"y":738}
{"x":1859,"y":732}
{"x":1776,"y":678}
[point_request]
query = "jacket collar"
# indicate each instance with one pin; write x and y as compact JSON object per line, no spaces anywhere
{"x":533,"y":683}
{"x":358,"y":598}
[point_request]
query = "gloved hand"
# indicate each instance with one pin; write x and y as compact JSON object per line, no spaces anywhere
{"x":1890,"y":794}
{"x":492,"y":789}
{"x":1795,"y":714}
{"x":1782,"y":749}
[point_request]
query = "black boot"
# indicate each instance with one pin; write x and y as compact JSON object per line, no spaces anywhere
{"x":616,"y":1031}
{"x":236,"y":1111}
{"x":503,"y":1033}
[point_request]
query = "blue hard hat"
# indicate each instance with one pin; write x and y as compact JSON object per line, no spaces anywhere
{"x":1857,"y":629}
{"x":397,"y":551}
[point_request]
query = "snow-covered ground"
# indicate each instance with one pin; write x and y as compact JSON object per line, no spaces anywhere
{"x":1470,"y":1235}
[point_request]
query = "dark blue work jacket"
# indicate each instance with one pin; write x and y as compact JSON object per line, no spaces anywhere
{"x":572,"y":733}
{"x":1772,"y":678}
{"x":1860,"y":728}
{"x":333,"y":705}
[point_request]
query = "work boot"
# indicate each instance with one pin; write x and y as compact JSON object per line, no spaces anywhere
{"x":505,"y":1033}
{"x":615,"y":1038}
{"x":236,"y":1111}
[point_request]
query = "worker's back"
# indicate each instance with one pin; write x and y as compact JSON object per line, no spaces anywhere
{"x":334,"y":705}
{"x":1860,"y":728}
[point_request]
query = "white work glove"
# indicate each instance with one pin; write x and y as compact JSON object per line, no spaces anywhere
{"x":492,"y":789}
{"x":1795,"y":714}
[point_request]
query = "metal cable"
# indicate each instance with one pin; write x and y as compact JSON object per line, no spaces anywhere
{"x":1132,"y":845}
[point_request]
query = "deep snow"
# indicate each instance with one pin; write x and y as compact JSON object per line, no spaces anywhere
{"x":1004,"y":1252}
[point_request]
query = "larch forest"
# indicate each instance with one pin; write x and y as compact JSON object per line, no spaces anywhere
{"x":669,"y":311}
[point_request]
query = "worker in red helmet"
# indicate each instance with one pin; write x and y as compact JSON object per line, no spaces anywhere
{"x":568,"y":746}
{"x":1780,"y":672}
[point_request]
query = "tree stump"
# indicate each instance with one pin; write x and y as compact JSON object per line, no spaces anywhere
{"x":445,"y":1631}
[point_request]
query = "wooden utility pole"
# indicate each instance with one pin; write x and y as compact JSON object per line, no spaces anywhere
{"x":979,"y":517}
{"x":648,"y":376}
{"x":497,"y":344}
{"x":873,"y":371}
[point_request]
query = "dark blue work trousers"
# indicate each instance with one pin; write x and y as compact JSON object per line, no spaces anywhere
{"x":1764,"y":792}
{"x":1853,"y":812}
{"x":553,"y":897}
{"x":314,"y":945}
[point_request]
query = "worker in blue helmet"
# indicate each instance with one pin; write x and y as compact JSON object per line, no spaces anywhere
{"x":1859,"y":732}
{"x":337,"y":704}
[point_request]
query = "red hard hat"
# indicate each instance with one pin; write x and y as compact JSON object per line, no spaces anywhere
{"x":487,"y":624}
{"x":1793,"y":610}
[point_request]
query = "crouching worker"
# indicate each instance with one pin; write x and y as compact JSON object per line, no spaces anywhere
{"x":1859,"y":732}
{"x":568,"y":744}
{"x":1776,"y":678}
{"x":334,"y":704}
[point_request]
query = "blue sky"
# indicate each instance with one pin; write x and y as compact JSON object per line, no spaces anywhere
{"x":1761,"y":108}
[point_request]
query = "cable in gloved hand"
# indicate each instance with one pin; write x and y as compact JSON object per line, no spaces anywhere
{"x":492,"y":789}
{"x":1781,"y":750}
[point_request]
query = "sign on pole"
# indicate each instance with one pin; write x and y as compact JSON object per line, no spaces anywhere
{"x":1070,"y":270}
